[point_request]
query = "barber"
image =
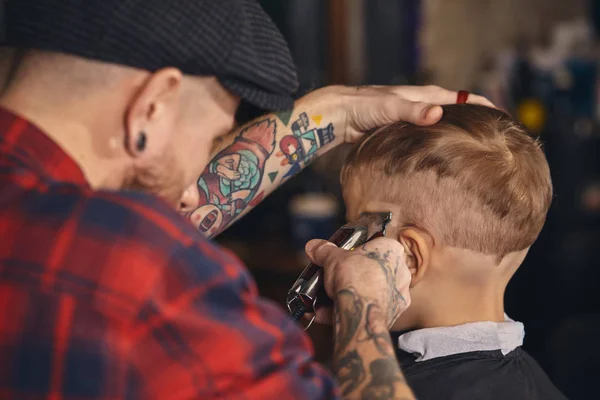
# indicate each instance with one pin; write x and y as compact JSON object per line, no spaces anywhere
{"x":110,"y":111}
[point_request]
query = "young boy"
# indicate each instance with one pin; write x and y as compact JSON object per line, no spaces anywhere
{"x":469,"y":196}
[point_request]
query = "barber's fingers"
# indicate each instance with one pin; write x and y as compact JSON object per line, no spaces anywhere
{"x":328,"y":256}
{"x":322,"y":252}
{"x":482,"y":101}
{"x":386,"y":108}
{"x":437,"y":95}
{"x":419,"y":105}
{"x":324,"y":316}
{"x":396,"y":108}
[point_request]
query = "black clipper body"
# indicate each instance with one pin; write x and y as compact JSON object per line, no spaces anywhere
{"x":308,"y":289}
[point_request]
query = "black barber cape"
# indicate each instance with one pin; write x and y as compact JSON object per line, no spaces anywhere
{"x":486,"y":375}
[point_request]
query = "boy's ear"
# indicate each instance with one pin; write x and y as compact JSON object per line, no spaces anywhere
{"x":417,"y":251}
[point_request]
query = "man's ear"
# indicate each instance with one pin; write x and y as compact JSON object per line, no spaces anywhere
{"x":417,"y":250}
{"x":145,"y":123}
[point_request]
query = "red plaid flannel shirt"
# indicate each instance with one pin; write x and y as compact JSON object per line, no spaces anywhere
{"x":110,"y":295}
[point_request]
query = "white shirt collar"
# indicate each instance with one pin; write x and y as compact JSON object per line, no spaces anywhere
{"x":430,"y":343}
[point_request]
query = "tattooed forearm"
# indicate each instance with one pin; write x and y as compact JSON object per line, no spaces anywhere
{"x":383,"y":380}
{"x":376,"y":333}
{"x":364,"y":360}
{"x":349,"y":312}
{"x":349,"y":371}
{"x":301,"y":146}
{"x":233,"y":178}
{"x":244,"y":171}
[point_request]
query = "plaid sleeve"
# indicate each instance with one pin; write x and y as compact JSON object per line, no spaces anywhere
{"x":206,"y":333}
{"x":119,"y":297}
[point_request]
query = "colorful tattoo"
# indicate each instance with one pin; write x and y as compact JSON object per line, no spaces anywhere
{"x":301,"y":147}
{"x":231,"y":181}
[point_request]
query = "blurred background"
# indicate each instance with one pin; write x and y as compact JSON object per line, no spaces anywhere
{"x":539,"y":60}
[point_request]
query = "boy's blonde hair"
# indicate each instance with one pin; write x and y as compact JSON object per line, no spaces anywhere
{"x":476,"y":180}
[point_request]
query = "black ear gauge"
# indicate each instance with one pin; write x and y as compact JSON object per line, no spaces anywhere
{"x":140,"y":143}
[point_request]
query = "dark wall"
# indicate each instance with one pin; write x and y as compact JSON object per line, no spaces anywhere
{"x":595,"y":14}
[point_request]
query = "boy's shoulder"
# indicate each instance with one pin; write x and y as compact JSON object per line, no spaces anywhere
{"x":479,"y":374}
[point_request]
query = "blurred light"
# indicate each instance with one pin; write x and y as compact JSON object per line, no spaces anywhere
{"x":532,"y":114}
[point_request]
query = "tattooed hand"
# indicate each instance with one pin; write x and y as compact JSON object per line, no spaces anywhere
{"x":370,"y":290}
{"x":376,"y":271}
{"x":364,"y":108}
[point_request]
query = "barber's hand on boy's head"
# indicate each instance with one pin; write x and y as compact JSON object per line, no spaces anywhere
{"x":358,"y":110}
{"x":376,"y":272}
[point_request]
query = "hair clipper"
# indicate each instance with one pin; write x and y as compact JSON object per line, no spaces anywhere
{"x":308,"y":293}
